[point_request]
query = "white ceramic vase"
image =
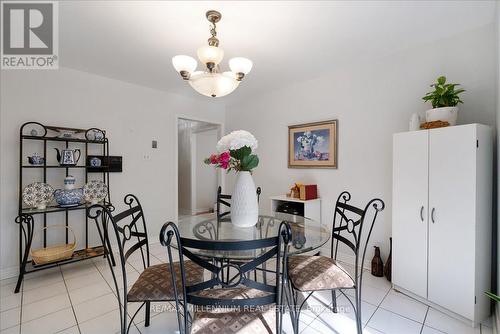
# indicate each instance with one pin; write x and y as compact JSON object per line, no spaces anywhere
{"x":446,"y":114}
{"x":414,"y":122}
{"x":244,"y":205}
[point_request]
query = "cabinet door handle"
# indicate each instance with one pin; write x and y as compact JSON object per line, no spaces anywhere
{"x":422,"y":213}
{"x":432,"y":215}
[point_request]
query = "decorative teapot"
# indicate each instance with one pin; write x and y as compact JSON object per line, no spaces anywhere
{"x":67,"y":157}
{"x":36,"y":159}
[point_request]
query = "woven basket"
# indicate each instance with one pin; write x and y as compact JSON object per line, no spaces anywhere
{"x":56,"y":252}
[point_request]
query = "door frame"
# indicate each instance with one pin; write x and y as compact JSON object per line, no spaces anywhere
{"x":221,"y":180}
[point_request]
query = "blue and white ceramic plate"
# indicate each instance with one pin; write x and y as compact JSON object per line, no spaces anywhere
{"x":95,"y":191}
{"x":38,"y":195}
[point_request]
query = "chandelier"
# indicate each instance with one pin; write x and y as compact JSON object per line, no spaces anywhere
{"x":212,"y":82}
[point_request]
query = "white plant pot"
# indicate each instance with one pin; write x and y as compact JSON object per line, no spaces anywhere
{"x":447,"y":114}
{"x":244,"y":205}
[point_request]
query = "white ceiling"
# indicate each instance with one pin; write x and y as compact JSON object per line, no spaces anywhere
{"x":134,"y":41}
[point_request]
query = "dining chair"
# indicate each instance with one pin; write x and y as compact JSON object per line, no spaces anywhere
{"x":154,"y":283}
{"x":241,"y":305}
{"x":352,"y":227}
{"x":223,"y":199}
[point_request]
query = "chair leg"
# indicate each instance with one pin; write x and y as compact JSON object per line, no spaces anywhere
{"x":148,"y":314}
{"x":359,"y":325}
{"x":334,"y":301}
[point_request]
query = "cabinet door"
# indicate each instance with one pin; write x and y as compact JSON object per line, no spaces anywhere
{"x":452,"y":198}
{"x":410,"y":211}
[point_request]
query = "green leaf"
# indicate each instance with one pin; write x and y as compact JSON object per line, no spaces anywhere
{"x":441,"y":80}
{"x":240,"y":153}
{"x":249,"y":162}
{"x":493,"y":296}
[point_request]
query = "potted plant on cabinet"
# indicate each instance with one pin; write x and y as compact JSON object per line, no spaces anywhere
{"x":444,"y":99}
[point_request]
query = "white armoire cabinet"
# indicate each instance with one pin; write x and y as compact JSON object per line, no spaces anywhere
{"x":442,"y":218}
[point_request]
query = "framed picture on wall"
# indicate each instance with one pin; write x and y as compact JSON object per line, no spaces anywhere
{"x":313,"y":145}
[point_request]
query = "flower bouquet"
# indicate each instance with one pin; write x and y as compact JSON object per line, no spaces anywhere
{"x":235,"y":153}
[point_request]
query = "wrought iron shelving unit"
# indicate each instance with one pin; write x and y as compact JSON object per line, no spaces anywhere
{"x":26,"y":216}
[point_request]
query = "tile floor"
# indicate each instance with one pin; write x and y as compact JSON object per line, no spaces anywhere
{"x":80,"y":298}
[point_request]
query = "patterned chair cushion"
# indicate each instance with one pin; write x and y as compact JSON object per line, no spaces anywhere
{"x":155,"y":282}
{"x":245,"y":320}
{"x":313,"y":273}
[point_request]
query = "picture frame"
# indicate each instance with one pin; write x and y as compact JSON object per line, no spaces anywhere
{"x":313,"y":145}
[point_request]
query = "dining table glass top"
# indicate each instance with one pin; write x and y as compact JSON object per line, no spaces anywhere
{"x":307,"y":234}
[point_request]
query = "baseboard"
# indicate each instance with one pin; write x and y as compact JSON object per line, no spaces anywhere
{"x":9,"y":272}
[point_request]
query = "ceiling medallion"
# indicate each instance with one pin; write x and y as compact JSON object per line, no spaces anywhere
{"x":212,"y":82}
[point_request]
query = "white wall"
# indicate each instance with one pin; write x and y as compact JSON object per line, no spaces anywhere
{"x":372,"y":99}
{"x":206,"y":176}
{"x":132,"y":115}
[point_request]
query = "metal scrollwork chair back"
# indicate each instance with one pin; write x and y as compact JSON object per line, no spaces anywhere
{"x":352,"y":227}
{"x":130,"y":232}
{"x":236,"y":294}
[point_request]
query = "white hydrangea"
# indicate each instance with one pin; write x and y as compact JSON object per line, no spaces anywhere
{"x":235,"y":140}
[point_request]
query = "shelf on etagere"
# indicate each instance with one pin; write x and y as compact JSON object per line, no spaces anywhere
{"x":59,"y":166}
{"x":69,"y":139}
{"x":77,"y":256}
{"x":56,"y":208}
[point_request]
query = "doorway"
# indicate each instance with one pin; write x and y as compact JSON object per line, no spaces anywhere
{"x":197,"y":182}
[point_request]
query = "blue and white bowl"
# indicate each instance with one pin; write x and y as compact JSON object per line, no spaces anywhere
{"x":68,"y":197}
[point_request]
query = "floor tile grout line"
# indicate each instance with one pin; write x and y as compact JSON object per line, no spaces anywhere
{"x":378,"y":306}
{"x":403,"y":316}
{"x":44,"y":286}
{"x":21,"y":313}
{"x":70,"y":301}
{"x":53,"y":311}
{"x":423,"y":322}
{"x":113,"y":292}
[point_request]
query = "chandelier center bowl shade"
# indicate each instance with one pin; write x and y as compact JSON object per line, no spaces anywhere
{"x":212,"y":81}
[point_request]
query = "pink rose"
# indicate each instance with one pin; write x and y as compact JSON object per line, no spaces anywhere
{"x":224,"y":164}
{"x":213,"y":159}
{"x":224,"y":158}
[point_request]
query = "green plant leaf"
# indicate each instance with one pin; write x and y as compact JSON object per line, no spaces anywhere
{"x":444,"y":95}
{"x":249,"y":162}
{"x":240,"y":153}
{"x":493,"y":296}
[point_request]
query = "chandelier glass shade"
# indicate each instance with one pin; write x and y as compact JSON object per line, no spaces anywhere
{"x":212,"y":82}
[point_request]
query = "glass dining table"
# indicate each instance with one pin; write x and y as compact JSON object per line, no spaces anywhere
{"x":307,"y":234}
